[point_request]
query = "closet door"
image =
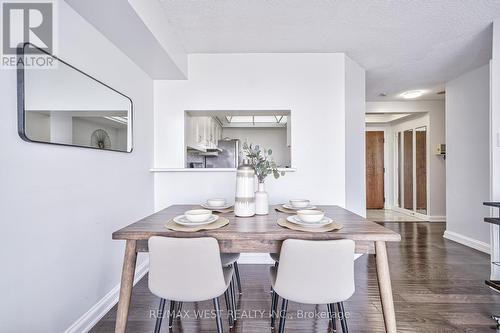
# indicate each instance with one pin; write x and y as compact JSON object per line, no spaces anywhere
{"x":421,"y":169}
{"x":408,"y":169}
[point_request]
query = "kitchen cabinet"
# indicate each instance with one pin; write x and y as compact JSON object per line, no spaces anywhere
{"x":288,"y":134}
{"x":202,"y":133}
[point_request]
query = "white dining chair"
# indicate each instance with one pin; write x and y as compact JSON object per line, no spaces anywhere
{"x":314,"y":272}
{"x":231,"y":259}
{"x":188,"y":270}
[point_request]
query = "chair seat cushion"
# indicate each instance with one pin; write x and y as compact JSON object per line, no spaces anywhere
{"x":275,"y":256}
{"x":229,"y":258}
{"x":228,"y":275}
{"x":273,"y":271}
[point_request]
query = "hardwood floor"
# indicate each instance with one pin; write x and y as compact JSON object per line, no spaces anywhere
{"x":438,"y":286}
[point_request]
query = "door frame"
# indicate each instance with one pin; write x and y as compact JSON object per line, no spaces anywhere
{"x":387,"y":162}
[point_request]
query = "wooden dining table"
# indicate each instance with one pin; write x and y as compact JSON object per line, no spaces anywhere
{"x":259,"y":234}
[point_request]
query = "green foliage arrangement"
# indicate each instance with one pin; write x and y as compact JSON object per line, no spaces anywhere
{"x":262,"y":161}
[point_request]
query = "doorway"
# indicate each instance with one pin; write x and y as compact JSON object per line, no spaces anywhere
{"x":375,"y":169}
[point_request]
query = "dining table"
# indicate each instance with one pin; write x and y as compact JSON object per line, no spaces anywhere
{"x":259,"y":234}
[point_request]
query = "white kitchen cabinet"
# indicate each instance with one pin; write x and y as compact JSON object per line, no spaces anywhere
{"x":288,"y":133}
{"x":203,"y":132}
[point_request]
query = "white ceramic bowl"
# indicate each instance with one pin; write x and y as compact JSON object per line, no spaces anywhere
{"x":310,"y":215}
{"x":216,"y":202}
{"x":198,"y":215}
{"x":299,"y":203}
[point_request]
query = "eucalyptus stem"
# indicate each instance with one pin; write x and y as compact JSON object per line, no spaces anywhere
{"x":262,"y":161}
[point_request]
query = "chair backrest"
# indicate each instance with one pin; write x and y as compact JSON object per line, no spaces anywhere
{"x":316,"y":272}
{"x":185,"y":269}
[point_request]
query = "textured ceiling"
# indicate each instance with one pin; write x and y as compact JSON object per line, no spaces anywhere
{"x":403,"y":44}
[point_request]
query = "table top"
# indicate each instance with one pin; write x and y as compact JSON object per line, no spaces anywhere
{"x":259,"y":227}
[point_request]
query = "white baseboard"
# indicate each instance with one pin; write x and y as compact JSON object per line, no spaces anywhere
{"x":467,"y":241}
{"x":99,"y":310}
{"x":255,"y":258}
{"x":423,"y":217}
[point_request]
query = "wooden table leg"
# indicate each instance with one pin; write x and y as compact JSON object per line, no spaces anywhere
{"x":384,"y":284}
{"x":126,"y":285}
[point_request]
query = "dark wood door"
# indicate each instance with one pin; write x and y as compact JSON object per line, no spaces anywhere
{"x":421,"y":169}
{"x":375,"y":169}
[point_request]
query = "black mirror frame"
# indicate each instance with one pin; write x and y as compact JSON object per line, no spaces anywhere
{"x":21,"y":120}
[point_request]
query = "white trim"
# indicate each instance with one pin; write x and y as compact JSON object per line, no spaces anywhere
{"x":423,"y":217}
{"x":467,"y":241}
{"x":99,"y":310}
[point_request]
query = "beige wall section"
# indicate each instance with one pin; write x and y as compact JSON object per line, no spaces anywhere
{"x":467,"y":157}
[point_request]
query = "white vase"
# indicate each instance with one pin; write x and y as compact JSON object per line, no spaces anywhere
{"x":261,"y":200}
{"x":244,"y":204}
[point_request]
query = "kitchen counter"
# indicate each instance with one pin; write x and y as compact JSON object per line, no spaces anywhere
{"x":208,"y":169}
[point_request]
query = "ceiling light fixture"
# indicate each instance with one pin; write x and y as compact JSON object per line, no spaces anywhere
{"x":412,"y":94}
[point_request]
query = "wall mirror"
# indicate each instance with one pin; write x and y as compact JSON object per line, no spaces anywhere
{"x":63,"y":105}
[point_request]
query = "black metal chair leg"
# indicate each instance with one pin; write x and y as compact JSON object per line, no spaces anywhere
{"x":343,"y":319}
{"x":159,"y":315}
{"x":217,"y":315}
{"x":274,"y":310}
{"x":171,"y":314}
{"x":233,"y":296}
{"x":229,"y":308}
{"x":179,"y":307}
{"x":237,"y":273}
{"x":284,"y":307}
{"x":332,"y":315}
{"x":233,"y":301}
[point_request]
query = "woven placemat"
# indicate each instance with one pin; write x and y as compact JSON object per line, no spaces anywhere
{"x":226,"y":210}
{"x":329,"y":227}
{"x":282,"y":209}
{"x":221,"y":221}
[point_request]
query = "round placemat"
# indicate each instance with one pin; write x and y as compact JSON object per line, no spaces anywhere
{"x":329,"y":227}
{"x":221,"y":221}
{"x":225,"y":210}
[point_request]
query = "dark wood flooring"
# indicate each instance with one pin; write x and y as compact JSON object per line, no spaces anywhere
{"x":438,"y":286}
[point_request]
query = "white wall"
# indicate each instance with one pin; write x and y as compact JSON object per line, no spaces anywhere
{"x":437,"y":174}
{"x":37,"y":126}
{"x":270,"y":137}
{"x":467,"y":157}
{"x":83,"y":129}
{"x":355,"y":187}
{"x":61,"y":128}
{"x":312,"y":86}
{"x":436,"y":133}
{"x":59,"y":205}
{"x":495,"y":147}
